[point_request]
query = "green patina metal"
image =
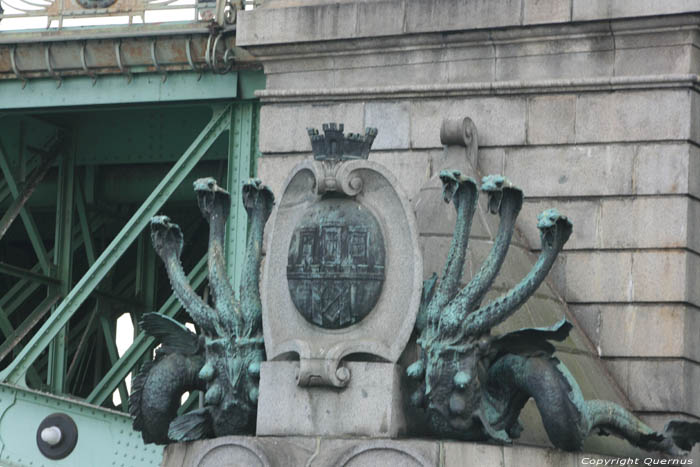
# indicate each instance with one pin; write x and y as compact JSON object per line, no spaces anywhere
{"x":224,"y":360}
{"x":471,"y":385}
{"x":336,"y":263}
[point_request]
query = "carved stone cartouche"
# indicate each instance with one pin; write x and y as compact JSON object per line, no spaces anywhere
{"x":343,"y":271}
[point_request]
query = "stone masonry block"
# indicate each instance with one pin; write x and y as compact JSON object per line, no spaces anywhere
{"x":694,"y":116}
{"x":541,"y":44}
{"x":598,"y":276}
{"x":380,"y":18}
{"x":653,"y":60}
{"x":626,"y":276}
{"x":633,"y":116}
{"x":525,"y":455}
{"x":665,"y":169}
{"x":663,"y":385}
{"x":392,"y":121}
{"x":491,"y":161}
{"x":283,"y":127}
{"x":456,"y":454}
{"x":659,"y":276}
{"x":417,"y":73}
{"x":273,"y":170}
{"x":371,"y":405}
{"x":371,"y":453}
{"x":571,"y":170}
{"x":553,"y":66}
{"x":584,"y":10}
{"x":500,"y":121}
{"x":467,"y":71}
{"x":643,"y":222}
{"x":300,"y":80}
{"x":292,"y":451}
{"x":649,"y":331}
{"x":693,"y":277}
{"x":630,"y":36}
{"x":604,"y":169}
{"x":411,"y":169}
{"x":694,"y":171}
{"x":281,"y":25}
{"x":588,"y":319}
{"x":693,"y":224}
{"x":546,"y":11}
{"x":285,"y":66}
{"x":695,"y":61}
{"x":443,"y":15}
{"x":551,"y":119}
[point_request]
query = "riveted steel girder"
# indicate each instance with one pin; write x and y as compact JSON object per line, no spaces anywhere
{"x":219,"y":123}
{"x":30,"y":225}
{"x":142,"y":343}
{"x":105,"y":436}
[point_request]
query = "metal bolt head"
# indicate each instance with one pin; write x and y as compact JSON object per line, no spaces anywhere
{"x":51,"y":435}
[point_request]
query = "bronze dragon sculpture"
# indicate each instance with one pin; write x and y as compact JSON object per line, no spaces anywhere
{"x":470,"y":385}
{"x":467,"y":384}
{"x":224,"y":361}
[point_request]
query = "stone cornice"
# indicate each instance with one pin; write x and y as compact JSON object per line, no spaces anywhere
{"x":294,"y":23}
{"x":471,"y":38}
{"x":674,"y":81}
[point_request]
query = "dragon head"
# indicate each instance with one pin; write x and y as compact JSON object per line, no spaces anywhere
{"x":555,"y":228}
{"x":211,"y":198}
{"x":165,"y":235}
{"x":451,"y":182}
{"x":499,"y":189}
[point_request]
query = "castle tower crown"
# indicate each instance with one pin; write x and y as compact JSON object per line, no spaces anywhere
{"x":334,"y":145}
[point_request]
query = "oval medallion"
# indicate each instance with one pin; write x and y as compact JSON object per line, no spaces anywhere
{"x":335,"y":265}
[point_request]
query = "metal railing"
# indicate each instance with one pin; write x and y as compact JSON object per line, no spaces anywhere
{"x":22,"y":15}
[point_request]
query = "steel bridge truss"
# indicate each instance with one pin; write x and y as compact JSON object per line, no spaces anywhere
{"x":57,"y":330}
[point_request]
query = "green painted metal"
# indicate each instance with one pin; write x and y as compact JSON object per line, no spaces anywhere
{"x":250,"y":81}
{"x":145,"y":279}
{"x":142,"y":343}
{"x":8,"y":330}
{"x":27,"y":219}
{"x":19,"y":292}
{"x":63,"y":259}
{"x":28,"y":188}
{"x":140,"y":136}
{"x":85,"y":230}
{"x":220,"y":121}
{"x":105,"y":437}
{"x":239,"y":160}
{"x":29,"y":322}
{"x":5,"y":325}
{"x":15,"y":271}
{"x":114,"y":89}
{"x":82,"y":348}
